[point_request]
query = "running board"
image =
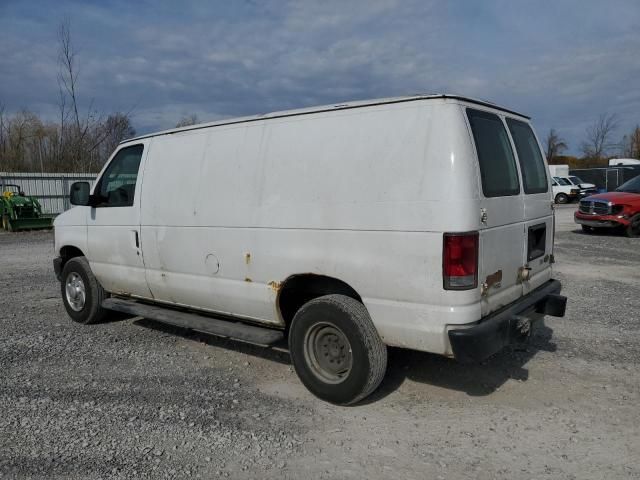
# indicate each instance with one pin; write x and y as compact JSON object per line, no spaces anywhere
{"x":201,"y":323}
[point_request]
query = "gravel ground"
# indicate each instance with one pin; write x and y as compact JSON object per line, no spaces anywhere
{"x":135,"y":399}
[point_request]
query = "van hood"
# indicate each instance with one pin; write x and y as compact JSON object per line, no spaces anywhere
{"x":75,"y":216}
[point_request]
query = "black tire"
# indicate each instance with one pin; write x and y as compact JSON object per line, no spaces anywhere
{"x":562,"y":198}
{"x":91,"y":311}
{"x":367,"y":353}
{"x":588,"y":229}
{"x":633,"y":229}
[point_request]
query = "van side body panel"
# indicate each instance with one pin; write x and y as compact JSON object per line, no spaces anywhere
{"x":361,"y":195}
{"x":71,"y":229}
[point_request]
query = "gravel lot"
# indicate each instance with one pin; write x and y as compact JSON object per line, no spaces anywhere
{"x":135,"y":399}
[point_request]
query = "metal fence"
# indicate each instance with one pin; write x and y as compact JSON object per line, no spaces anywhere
{"x":51,"y":189}
{"x":607,"y":178}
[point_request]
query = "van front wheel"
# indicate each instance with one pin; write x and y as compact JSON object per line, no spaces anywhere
{"x":336,"y":350}
{"x":82,"y":295}
{"x":562,"y":198}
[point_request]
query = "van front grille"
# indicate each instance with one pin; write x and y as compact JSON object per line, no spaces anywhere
{"x":595,"y":207}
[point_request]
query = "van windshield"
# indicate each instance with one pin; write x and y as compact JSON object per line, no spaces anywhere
{"x":562,"y":181}
{"x":534,"y":174}
{"x":575,"y":180}
{"x":497,"y":163}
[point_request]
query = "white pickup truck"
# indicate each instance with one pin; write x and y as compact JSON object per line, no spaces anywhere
{"x":564,"y":191}
{"x":586,"y":189}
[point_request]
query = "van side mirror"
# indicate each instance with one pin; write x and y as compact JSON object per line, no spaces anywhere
{"x":79,"y":193}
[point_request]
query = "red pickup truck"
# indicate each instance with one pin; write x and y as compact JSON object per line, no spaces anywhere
{"x":618,"y":209}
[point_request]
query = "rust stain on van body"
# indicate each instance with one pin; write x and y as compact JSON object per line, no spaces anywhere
{"x":495,"y":279}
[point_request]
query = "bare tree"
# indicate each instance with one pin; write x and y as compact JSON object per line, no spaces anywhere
{"x":62,"y":104}
{"x":598,"y":137}
{"x":76,"y":142}
{"x":3,"y":144}
{"x":630,"y":145}
{"x":556,"y":145}
{"x":82,"y":136}
{"x":68,"y":75}
{"x":187,"y":120}
{"x":116,"y":128}
{"x":73,"y":139}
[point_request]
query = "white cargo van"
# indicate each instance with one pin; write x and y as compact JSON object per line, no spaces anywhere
{"x":421,"y":222}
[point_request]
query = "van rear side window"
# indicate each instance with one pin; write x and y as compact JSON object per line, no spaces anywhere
{"x":497,"y":163}
{"x":534,"y":174}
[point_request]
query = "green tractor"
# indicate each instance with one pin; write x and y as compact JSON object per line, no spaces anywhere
{"x":19,"y":212}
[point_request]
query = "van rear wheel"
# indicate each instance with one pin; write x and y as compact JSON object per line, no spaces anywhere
{"x":336,"y":350}
{"x":82,"y":295}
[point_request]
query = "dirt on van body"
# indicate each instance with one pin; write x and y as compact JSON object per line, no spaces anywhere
{"x":135,"y":399}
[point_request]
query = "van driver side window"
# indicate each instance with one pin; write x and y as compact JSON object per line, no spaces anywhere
{"x":118,"y":183}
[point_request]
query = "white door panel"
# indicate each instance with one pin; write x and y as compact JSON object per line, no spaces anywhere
{"x":113,"y":227}
{"x":501,"y":252}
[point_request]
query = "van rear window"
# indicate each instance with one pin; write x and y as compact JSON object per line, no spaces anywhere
{"x":497,"y":163}
{"x":534,"y":173}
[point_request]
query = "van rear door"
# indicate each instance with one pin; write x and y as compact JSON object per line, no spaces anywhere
{"x":538,"y":212}
{"x":502,"y":235}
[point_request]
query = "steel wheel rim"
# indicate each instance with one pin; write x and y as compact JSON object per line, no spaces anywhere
{"x":75,"y":292}
{"x":327,"y":352}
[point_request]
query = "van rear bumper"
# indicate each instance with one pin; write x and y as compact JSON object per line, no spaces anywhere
{"x":511,"y":324}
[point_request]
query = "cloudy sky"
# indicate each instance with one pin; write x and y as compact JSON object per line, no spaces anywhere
{"x":562,"y":62}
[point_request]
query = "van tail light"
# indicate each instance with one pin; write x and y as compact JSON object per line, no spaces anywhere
{"x":460,"y":261}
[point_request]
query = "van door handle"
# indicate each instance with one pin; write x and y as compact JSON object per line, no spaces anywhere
{"x":136,"y":238}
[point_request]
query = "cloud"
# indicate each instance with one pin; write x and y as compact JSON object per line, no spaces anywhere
{"x":563,"y":63}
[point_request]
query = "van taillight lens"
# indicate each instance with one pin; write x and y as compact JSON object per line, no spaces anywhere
{"x":460,"y":261}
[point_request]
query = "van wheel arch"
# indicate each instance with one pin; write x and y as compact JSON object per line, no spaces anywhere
{"x":300,"y":288}
{"x":68,"y":252}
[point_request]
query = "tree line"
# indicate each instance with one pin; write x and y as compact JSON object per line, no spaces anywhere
{"x":77,"y":141}
{"x":598,"y":146}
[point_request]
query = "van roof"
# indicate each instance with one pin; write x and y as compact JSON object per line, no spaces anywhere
{"x":328,"y":108}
